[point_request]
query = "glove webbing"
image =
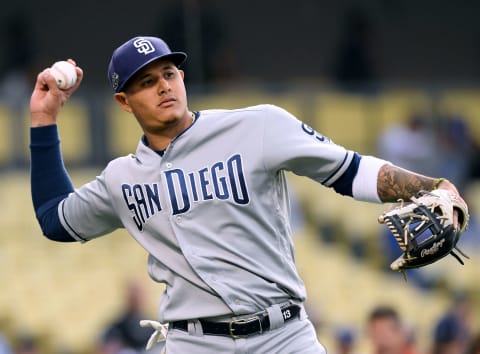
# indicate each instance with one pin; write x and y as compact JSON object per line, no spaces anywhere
{"x":427,"y":220}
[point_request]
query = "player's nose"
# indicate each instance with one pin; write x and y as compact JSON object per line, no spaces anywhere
{"x":163,"y":86}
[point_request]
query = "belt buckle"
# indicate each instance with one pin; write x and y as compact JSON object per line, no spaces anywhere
{"x":241,"y":322}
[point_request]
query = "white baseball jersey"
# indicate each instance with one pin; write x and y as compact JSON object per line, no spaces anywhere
{"x":213,"y":211}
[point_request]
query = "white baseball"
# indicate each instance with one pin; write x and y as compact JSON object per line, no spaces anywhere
{"x":64,"y":73}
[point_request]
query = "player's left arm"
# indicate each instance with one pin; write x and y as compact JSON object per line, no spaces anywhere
{"x":395,"y":183}
{"x":365,"y":178}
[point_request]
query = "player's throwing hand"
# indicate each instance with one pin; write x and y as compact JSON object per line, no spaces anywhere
{"x":47,"y":98}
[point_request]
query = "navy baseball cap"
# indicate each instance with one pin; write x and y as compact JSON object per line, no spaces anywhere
{"x":134,"y":54}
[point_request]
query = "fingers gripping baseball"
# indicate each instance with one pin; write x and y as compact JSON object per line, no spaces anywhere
{"x":48,"y":98}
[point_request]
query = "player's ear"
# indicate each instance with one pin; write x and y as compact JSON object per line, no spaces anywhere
{"x":122,"y":100}
{"x":182,"y":73}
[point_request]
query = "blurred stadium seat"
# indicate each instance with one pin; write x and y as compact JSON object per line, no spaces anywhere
{"x":346,"y":119}
{"x":395,"y":106}
{"x":463,"y":103}
{"x":124,"y":131}
{"x":6,"y":138}
{"x":74,"y":129}
{"x":235,"y":100}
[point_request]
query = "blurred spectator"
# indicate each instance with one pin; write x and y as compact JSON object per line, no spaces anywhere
{"x":411,"y":339}
{"x":124,"y":335}
{"x":475,"y":161}
{"x":27,"y":344}
{"x":354,"y":66}
{"x":387,"y":333}
{"x":474,"y":347}
{"x":111,"y":342}
{"x":452,"y":332}
{"x":448,"y":336}
{"x":469,"y":243}
{"x":345,"y":341}
{"x":457,"y":149}
{"x":411,"y":145}
{"x":4,"y":346}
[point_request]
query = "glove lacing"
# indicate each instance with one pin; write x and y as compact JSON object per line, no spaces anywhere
{"x":432,"y":208}
{"x":404,"y":240}
{"x":159,"y":335}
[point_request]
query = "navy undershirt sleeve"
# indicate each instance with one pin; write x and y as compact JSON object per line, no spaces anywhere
{"x":344,"y":184}
{"x":50,"y":182}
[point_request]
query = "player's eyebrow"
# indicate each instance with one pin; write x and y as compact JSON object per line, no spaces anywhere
{"x":142,"y":76}
{"x":167,"y":67}
{"x":162,"y":68}
{"x":150,"y":72}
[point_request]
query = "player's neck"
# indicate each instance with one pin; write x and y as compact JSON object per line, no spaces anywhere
{"x":160,"y":140}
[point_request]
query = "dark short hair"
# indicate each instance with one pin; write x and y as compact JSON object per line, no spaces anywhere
{"x":448,"y":329}
{"x":384,"y":312}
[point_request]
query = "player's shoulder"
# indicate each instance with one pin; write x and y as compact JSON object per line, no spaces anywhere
{"x":260,"y":110}
{"x":119,"y":162}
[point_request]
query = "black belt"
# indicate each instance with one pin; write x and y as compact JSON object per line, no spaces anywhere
{"x":243,"y":327}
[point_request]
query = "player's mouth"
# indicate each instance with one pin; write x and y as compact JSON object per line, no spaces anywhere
{"x":167,"y":102}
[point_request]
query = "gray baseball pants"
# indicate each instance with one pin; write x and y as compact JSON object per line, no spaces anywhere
{"x":297,"y":336}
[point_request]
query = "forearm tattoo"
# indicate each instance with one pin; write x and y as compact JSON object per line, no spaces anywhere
{"x":395,"y":183}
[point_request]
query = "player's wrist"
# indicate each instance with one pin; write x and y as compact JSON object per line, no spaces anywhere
{"x":438,"y":182}
{"x":40,"y":120}
{"x":443,"y":183}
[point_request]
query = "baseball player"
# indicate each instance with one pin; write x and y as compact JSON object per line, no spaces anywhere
{"x":205,"y":195}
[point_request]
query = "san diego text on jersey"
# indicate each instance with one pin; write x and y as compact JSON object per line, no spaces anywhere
{"x":223,"y":180}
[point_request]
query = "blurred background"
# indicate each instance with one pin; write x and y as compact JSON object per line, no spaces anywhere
{"x":396,"y":79}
